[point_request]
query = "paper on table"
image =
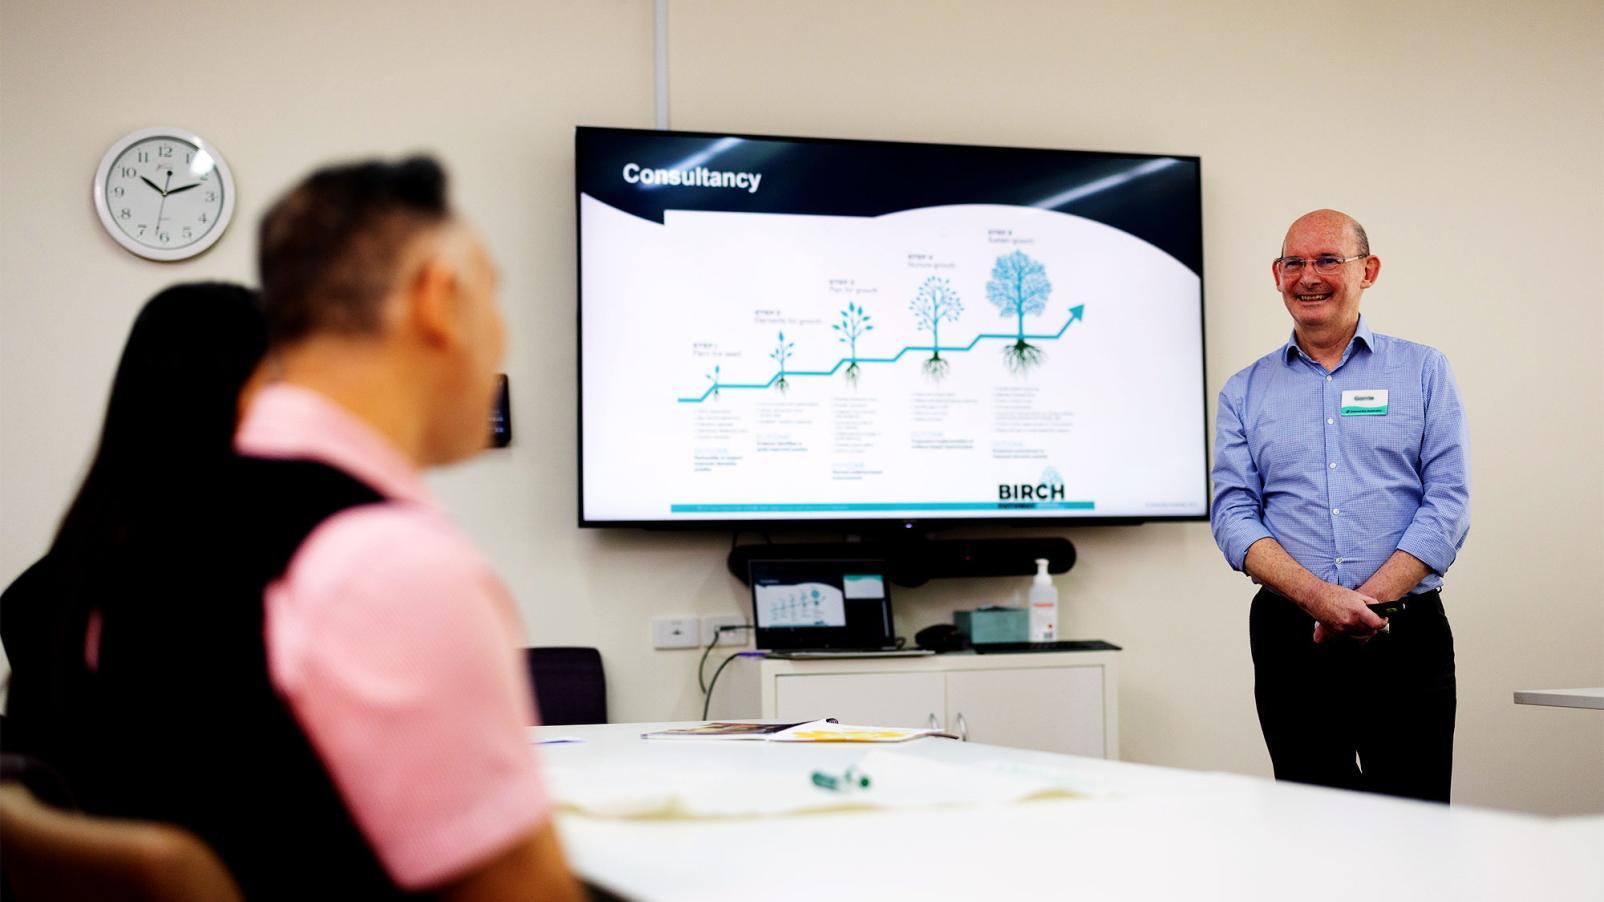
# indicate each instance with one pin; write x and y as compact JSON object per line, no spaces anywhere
{"x":825,"y":731}
{"x":897,"y":780}
{"x":808,"y":731}
{"x":725,"y":730}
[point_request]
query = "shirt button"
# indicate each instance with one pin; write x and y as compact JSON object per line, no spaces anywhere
{"x":1333,"y":466}
{"x":1330,"y":422}
{"x":1336,"y":512}
{"x":1328,"y":378}
{"x":1339,"y":560}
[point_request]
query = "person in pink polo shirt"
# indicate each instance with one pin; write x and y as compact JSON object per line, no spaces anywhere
{"x":387,"y":636}
{"x":290,"y":650}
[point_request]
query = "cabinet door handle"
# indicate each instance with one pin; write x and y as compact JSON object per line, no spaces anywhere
{"x":963,"y":728}
{"x":934,"y":724}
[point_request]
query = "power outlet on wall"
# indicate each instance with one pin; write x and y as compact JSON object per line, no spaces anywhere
{"x":674,"y":632}
{"x":711,"y":622}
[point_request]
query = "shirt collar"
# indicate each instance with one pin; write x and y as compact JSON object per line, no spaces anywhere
{"x":1364,"y":334}
{"x":294,"y":422}
{"x":1361,"y":334}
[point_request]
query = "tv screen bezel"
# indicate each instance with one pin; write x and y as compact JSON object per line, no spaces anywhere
{"x":865,"y":525}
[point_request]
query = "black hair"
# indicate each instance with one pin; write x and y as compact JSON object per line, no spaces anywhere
{"x":328,"y":250}
{"x":173,"y":407}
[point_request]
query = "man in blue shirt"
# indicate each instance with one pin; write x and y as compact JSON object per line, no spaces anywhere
{"x":1341,"y":480}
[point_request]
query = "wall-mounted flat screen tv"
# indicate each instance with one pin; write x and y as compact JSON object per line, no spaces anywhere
{"x":867,"y":333}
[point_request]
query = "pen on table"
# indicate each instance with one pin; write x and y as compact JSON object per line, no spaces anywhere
{"x":852,"y":779}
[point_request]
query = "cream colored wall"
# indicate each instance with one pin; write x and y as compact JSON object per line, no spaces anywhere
{"x":1468,"y":136}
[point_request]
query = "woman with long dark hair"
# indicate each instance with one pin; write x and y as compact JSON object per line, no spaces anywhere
{"x":170,"y":420}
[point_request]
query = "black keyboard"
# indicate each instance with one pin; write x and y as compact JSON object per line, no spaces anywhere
{"x":990,"y":648}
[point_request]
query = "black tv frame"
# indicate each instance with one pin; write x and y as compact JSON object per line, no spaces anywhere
{"x":897,"y":528}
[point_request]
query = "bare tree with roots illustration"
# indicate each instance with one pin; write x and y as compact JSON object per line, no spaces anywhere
{"x":1019,"y":286}
{"x":713,"y":376}
{"x":937,"y":301}
{"x":782,"y":353}
{"x":854,"y":322}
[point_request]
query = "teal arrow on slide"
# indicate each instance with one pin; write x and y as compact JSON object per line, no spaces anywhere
{"x":1076,"y":314}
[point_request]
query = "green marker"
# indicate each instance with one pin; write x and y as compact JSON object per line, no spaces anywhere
{"x":849,"y":780}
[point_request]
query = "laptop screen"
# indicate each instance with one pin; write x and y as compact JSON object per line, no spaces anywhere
{"x":801,"y":605}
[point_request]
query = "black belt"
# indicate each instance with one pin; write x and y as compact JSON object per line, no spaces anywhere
{"x":1412,"y":605}
{"x":1421,"y":601}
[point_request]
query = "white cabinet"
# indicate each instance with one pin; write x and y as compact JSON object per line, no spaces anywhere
{"x":890,"y":700}
{"x":1053,"y":701}
{"x":1054,"y":709}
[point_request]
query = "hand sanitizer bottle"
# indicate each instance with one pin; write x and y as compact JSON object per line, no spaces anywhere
{"x":1043,"y":605}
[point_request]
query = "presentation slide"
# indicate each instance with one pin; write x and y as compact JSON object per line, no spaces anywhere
{"x":970,"y":360}
{"x":804,"y":604}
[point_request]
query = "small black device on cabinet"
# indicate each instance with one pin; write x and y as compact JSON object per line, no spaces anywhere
{"x":940,"y":637}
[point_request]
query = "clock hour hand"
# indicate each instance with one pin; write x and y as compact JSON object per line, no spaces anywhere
{"x":183,"y":188}
{"x":154,"y":186}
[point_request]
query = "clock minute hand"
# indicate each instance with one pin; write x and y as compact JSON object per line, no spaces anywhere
{"x":184,"y":188}
{"x":153,"y":186}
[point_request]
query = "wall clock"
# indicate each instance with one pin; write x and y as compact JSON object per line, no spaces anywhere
{"x":164,"y":193}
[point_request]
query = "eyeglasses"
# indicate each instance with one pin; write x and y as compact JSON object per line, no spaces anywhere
{"x":1325,"y":264}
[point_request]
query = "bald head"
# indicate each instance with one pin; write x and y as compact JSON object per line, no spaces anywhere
{"x":1325,"y":265}
{"x":1331,"y":222}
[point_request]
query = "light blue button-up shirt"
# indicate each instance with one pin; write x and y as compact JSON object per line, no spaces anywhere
{"x":1341,"y":491}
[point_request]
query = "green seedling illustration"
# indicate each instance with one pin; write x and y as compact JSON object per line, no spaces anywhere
{"x":854,"y":322}
{"x":782,"y":353}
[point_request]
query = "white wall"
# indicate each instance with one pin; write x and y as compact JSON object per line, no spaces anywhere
{"x":1468,"y":136}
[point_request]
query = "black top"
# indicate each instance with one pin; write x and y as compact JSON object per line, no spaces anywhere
{"x":180,"y":723}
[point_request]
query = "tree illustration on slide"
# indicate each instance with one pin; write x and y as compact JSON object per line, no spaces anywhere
{"x":937,"y":301}
{"x":782,"y":353}
{"x":1018,"y":287}
{"x":854,"y":322}
{"x":714,"y":377}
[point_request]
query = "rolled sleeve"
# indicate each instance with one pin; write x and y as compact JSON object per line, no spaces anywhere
{"x":1439,"y":527}
{"x":1236,"y":512}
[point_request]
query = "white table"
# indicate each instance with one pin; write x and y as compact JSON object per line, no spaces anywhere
{"x":1142,"y":833}
{"x":1562,"y":698}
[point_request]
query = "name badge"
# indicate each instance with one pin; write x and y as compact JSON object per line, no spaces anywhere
{"x":1366,"y":402}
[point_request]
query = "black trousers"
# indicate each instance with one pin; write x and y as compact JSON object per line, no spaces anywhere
{"x":1374,"y":716}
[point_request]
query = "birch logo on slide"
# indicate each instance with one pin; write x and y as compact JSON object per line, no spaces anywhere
{"x":1050,"y":488}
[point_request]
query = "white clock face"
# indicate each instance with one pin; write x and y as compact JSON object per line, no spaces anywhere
{"x":164,"y":194}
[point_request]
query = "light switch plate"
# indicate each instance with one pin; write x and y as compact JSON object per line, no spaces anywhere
{"x":675,"y":632}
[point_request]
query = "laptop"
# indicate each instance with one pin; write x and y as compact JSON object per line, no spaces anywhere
{"x":824,"y":609}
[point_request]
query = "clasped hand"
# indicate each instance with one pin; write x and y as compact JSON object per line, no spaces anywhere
{"x":1342,"y":612}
